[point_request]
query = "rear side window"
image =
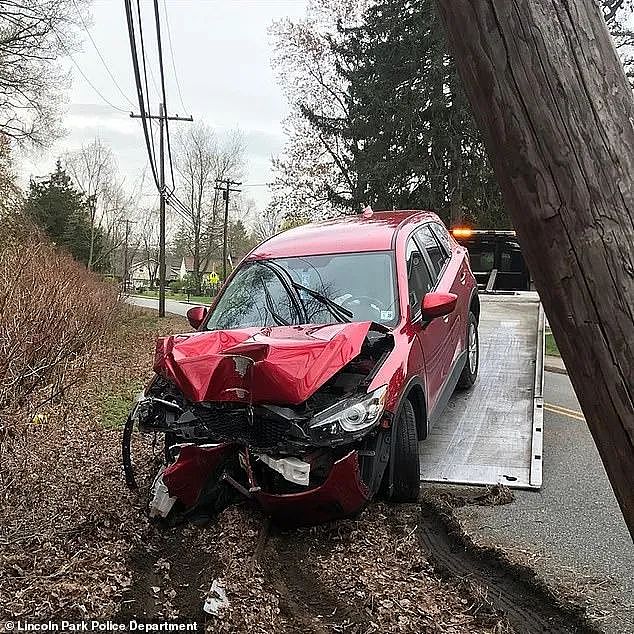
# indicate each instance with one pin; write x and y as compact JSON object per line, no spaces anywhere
{"x":481,"y":254}
{"x":511,"y":258}
{"x":443,"y":235}
{"x":430,"y":243}
{"x":419,"y":280}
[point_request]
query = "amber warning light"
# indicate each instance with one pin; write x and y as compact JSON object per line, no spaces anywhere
{"x":462,"y":232}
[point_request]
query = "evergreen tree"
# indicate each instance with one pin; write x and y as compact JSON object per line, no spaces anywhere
{"x":62,"y":212}
{"x":413,"y":141}
{"x":379,"y":115}
{"x":239,"y":241}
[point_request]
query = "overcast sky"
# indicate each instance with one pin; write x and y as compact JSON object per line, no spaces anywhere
{"x":222,"y":54}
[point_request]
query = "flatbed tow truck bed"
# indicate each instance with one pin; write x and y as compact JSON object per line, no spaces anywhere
{"x":493,"y":433}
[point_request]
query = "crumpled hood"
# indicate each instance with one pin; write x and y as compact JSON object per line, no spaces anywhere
{"x":280,"y":365}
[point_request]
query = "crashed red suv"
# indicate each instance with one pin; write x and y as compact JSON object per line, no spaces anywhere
{"x":328,"y":354}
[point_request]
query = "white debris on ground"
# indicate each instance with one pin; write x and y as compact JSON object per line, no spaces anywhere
{"x":161,"y":503}
{"x":216,"y":598}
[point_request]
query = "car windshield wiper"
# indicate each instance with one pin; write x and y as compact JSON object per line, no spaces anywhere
{"x":336,"y":310}
{"x":340,"y":313}
{"x":288,"y":284}
{"x":279,"y":320}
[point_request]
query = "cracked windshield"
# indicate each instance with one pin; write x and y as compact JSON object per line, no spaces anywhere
{"x":318,"y":289}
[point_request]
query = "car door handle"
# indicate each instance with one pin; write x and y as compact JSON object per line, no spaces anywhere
{"x":463,"y":277}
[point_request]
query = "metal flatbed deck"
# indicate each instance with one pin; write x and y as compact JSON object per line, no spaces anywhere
{"x":493,"y":432}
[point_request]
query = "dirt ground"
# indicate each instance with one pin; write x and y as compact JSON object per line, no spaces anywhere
{"x":76,"y":543}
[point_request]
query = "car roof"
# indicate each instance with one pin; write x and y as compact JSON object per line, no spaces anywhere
{"x":346,"y":234}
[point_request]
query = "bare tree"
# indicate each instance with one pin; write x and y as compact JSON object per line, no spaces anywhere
{"x":268,"y":223}
{"x":33,"y":36}
{"x":312,"y":163}
{"x":148,"y":241}
{"x":93,"y":168}
{"x":201,"y":158}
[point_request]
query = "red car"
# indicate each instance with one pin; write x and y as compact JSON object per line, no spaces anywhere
{"x":325,"y":359}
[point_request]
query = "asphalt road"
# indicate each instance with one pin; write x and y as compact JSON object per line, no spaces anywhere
{"x":571,"y":531}
{"x":171,"y":306}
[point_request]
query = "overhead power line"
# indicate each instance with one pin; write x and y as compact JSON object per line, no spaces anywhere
{"x":179,"y":206}
{"x":103,"y":61}
{"x":169,"y":40}
{"x":81,"y":72}
{"x":139,"y":89}
{"x":147,"y":92}
{"x":162,"y":75}
{"x":163,"y":119}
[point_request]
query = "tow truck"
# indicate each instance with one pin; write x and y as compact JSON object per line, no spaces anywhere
{"x":493,"y":434}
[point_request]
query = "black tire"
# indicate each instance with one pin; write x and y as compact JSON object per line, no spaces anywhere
{"x":406,"y":485}
{"x":470,"y":370}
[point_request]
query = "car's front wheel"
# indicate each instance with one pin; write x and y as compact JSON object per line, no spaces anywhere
{"x":406,"y":468}
{"x":470,"y":371}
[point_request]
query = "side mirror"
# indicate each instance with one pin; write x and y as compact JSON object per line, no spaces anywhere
{"x":196,"y":315}
{"x":438,"y":305}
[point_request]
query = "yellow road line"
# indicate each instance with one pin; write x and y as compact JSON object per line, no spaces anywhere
{"x":564,"y":411}
{"x":576,"y":412}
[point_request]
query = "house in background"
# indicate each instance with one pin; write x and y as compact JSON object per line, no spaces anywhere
{"x":209,"y":279}
{"x":143,"y":274}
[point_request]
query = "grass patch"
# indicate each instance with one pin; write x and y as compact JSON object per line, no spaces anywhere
{"x":115,"y":406}
{"x":147,"y":321}
{"x":551,"y":346}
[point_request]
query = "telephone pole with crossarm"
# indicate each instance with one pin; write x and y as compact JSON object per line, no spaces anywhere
{"x":162,"y":265}
{"x":224,"y":185}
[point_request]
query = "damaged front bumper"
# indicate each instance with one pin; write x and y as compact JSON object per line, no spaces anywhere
{"x":199,"y":469}
{"x":290,"y":417}
{"x":342,"y":494}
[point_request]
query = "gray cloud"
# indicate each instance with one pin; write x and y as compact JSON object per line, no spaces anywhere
{"x":222,"y":58}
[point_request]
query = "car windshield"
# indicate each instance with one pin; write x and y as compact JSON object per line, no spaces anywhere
{"x":317,"y":289}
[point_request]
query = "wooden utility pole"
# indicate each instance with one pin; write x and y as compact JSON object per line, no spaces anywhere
{"x":549,"y":92}
{"x":126,"y":245}
{"x":163,"y":195}
{"x":224,"y":185}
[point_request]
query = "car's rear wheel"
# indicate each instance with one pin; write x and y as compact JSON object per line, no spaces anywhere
{"x":406,"y":471}
{"x":470,"y":371}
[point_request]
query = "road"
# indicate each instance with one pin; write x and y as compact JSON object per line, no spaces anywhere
{"x":571,"y":531}
{"x":171,"y":306}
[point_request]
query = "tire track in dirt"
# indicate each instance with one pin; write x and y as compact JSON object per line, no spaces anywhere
{"x":167,"y":574}
{"x":397,"y":568}
{"x":514,"y":590}
{"x":291,"y":562}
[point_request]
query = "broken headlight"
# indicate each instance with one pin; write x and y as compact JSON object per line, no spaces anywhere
{"x":351,"y":415}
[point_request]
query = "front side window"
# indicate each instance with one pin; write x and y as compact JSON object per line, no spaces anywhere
{"x":511,"y":258}
{"x":319,"y":289}
{"x":419,"y":280}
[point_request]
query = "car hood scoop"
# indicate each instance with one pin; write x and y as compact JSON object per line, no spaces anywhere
{"x":278,"y":365}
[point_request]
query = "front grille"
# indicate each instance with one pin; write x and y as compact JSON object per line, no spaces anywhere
{"x":235,"y":424}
